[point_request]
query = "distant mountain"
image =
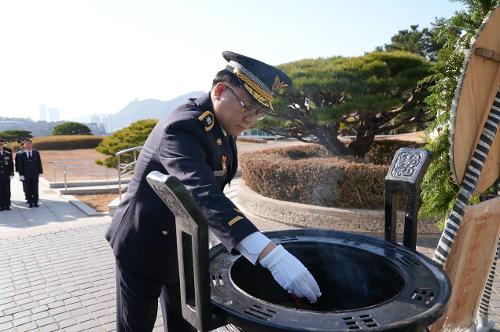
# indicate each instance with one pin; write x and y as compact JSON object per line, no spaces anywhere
{"x":147,"y":109}
{"x":135,"y":110}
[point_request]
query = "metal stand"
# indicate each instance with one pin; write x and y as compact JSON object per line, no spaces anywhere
{"x":405,"y":175}
{"x":192,"y":250}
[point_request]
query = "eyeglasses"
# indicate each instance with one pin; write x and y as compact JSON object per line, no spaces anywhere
{"x":257,"y":110}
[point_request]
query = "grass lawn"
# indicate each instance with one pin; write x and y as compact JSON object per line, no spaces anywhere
{"x":98,"y":202}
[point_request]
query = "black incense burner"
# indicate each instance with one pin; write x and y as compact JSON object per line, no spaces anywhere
{"x":367,"y":283}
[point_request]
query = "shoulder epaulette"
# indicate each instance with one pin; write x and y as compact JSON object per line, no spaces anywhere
{"x":208,"y":120}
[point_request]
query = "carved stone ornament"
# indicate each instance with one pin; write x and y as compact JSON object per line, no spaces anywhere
{"x":169,"y":198}
{"x":406,"y":164}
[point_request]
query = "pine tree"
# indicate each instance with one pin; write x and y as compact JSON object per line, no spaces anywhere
{"x":364,"y":96}
{"x":133,"y":135}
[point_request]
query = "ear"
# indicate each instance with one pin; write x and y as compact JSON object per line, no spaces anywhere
{"x":218,"y":89}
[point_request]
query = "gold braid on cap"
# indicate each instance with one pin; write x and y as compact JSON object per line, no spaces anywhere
{"x":254,"y":89}
{"x":257,"y":96}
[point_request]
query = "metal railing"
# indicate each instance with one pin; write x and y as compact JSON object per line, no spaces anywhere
{"x":79,"y":167}
{"x":126,"y":168}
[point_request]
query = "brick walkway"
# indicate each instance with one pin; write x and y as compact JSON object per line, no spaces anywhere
{"x":59,"y":276}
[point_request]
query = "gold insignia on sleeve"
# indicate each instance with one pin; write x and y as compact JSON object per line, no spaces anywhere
{"x":278,"y":85}
{"x":234,"y":220}
{"x":219,"y":141}
{"x":208,"y":120}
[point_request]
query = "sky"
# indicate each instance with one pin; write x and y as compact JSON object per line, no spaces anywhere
{"x":95,"y":56}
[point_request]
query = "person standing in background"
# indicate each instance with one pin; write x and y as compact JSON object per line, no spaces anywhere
{"x":5,"y":145}
{"x":6,"y":174}
{"x":30,"y":168}
{"x":20,"y":150}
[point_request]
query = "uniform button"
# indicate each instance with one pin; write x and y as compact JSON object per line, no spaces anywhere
{"x":164,"y":232}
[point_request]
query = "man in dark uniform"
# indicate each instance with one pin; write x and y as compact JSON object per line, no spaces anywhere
{"x":19,"y":152}
{"x":196,"y":143}
{"x":6,"y":174}
{"x":5,"y":145}
{"x":30,"y":168}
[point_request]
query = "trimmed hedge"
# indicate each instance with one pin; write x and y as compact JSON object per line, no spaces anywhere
{"x":382,"y":152}
{"x":309,"y":175}
{"x":66,"y":142}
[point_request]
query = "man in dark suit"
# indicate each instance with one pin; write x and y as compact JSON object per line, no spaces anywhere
{"x":30,"y":168}
{"x":6,"y":174}
{"x":19,"y":152}
{"x":196,"y":143}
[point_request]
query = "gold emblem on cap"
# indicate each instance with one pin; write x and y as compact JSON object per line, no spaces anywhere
{"x":278,"y":85}
{"x":219,"y":141}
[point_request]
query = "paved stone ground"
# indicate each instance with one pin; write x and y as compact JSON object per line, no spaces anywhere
{"x":57,"y":270}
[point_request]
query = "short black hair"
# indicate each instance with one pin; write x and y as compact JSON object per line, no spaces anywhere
{"x":227,"y":76}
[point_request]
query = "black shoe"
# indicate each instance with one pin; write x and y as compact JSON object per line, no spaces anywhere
{"x":1,"y":208}
{"x":7,"y":208}
{"x":31,"y":205}
{"x":36,"y":205}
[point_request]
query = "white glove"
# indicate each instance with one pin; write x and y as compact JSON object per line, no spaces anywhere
{"x":21,"y":177}
{"x":291,"y":274}
{"x":252,"y":246}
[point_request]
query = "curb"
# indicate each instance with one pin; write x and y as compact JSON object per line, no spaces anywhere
{"x":89,"y":211}
{"x":340,"y":219}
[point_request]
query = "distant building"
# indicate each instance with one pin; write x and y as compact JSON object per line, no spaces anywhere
{"x":50,"y":114}
{"x":53,"y":115}
{"x":96,"y":128}
{"x":103,"y":121}
{"x":43,"y":113}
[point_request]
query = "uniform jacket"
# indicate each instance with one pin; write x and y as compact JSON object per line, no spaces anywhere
{"x":6,"y":164}
{"x":29,"y":167}
{"x":18,"y":153}
{"x":190,"y":144}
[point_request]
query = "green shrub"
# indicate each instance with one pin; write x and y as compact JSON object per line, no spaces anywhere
{"x":382,"y":152}
{"x":69,"y":142}
{"x":439,"y":192}
{"x":362,"y":186}
{"x":308,"y":175}
{"x":71,"y":128}
{"x":133,"y":135}
{"x":15,"y":134}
